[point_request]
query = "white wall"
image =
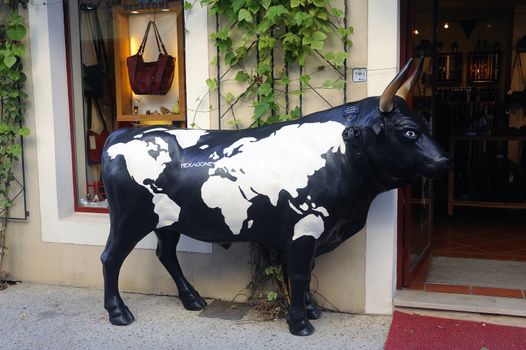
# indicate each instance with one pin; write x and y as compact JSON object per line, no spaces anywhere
{"x":382,"y":63}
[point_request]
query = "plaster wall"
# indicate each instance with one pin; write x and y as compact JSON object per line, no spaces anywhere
{"x":61,"y":247}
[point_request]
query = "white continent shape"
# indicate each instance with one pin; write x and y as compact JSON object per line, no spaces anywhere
{"x":283,"y":161}
{"x":143,"y":166}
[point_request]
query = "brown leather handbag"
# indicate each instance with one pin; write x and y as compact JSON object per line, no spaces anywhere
{"x":151,"y":78}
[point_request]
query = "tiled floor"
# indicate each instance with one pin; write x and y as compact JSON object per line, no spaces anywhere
{"x":477,"y":237}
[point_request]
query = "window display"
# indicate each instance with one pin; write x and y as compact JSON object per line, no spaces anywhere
{"x":126,"y":68}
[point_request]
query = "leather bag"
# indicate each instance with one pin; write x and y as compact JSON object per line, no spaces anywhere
{"x":151,"y":78}
{"x":95,"y":141}
{"x":93,"y":75}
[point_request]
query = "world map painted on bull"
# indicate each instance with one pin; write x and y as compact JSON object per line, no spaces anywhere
{"x":282,"y":161}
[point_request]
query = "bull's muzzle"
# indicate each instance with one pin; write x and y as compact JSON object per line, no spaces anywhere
{"x":438,"y":167}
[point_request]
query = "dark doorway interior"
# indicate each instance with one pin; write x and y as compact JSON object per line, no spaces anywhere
{"x":467,"y":233}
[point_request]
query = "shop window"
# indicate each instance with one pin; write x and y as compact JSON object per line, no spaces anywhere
{"x":100,"y":38}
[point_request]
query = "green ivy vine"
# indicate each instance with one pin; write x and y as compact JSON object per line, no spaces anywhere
{"x":255,"y":30}
{"x":12,"y":105}
{"x":257,"y":42}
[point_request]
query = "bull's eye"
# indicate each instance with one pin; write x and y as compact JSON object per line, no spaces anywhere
{"x":411,"y":134}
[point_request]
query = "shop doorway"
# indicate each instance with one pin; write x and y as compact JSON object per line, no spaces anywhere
{"x":466,"y":234}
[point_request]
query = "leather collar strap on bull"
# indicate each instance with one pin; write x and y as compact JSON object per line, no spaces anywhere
{"x":353,"y":135}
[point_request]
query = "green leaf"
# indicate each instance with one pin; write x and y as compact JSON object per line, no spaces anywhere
{"x":263,"y":68}
{"x":9,"y":61}
{"x":188,"y":5}
{"x":4,"y":128}
{"x":231,"y":58}
{"x":327,"y":84}
{"x":23,"y":131}
{"x":222,"y":34}
{"x":339,"y":84}
{"x":284,"y":80}
{"x":213,"y":61}
{"x":265,"y":89}
{"x":242,"y":76}
{"x":237,"y":5}
{"x":295,"y":113}
{"x":15,"y":150}
{"x":212,"y":83}
{"x":320,"y":3}
{"x":15,"y":18}
{"x":245,"y":15}
{"x":18,"y":50}
{"x":305,"y":79}
{"x":297,"y":3}
{"x":16,"y":32}
{"x":336,"y":58}
{"x":229,"y":97}
{"x":336,"y":12}
{"x":5,"y":203}
{"x":266,"y":3}
{"x":300,"y":17}
{"x":271,"y":296}
{"x":316,"y":40}
{"x":261,"y":108}
{"x":275,"y":11}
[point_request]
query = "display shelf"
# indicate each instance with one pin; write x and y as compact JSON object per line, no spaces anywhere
{"x":458,"y":202}
{"x":124,"y":94}
{"x":449,"y":68}
{"x":152,"y":117}
{"x":484,"y":67}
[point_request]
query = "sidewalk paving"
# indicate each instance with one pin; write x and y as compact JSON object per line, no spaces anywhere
{"x":35,"y":316}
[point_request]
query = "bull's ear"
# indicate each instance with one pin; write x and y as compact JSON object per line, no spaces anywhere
{"x":410,"y":83}
{"x":386,"y":100}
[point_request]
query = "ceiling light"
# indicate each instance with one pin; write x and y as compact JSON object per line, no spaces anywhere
{"x":416,"y":32}
{"x":446,"y":25}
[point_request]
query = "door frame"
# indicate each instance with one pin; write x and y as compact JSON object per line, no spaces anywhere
{"x":406,"y":274}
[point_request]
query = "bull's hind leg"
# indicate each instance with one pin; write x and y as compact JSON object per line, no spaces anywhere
{"x":312,"y":310}
{"x":120,"y":244}
{"x":300,"y":255}
{"x":166,"y":251}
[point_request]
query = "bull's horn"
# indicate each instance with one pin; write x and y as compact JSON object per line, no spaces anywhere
{"x":386,"y":100}
{"x":410,"y":83}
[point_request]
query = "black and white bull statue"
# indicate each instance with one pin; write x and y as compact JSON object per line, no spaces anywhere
{"x":304,"y":186}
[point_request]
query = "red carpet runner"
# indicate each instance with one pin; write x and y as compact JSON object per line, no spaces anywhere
{"x":409,"y":331}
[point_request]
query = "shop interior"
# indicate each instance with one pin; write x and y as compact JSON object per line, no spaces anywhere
{"x":468,"y":230}
{"x":126,"y":65}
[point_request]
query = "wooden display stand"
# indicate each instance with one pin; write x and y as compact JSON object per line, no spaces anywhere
{"x":123,"y":89}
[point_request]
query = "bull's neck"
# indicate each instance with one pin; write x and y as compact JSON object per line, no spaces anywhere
{"x":361,"y":166}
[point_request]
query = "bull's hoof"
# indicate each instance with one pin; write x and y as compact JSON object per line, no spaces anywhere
{"x":301,"y":327}
{"x":121,"y":316}
{"x":313,"y":313}
{"x":192,"y":301}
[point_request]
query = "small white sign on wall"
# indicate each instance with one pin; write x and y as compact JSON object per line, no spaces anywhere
{"x":359,"y":75}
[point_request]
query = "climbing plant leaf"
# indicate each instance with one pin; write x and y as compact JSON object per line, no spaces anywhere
{"x":12,"y":103}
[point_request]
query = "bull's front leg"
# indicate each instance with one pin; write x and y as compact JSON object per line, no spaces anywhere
{"x":300,"y":256}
